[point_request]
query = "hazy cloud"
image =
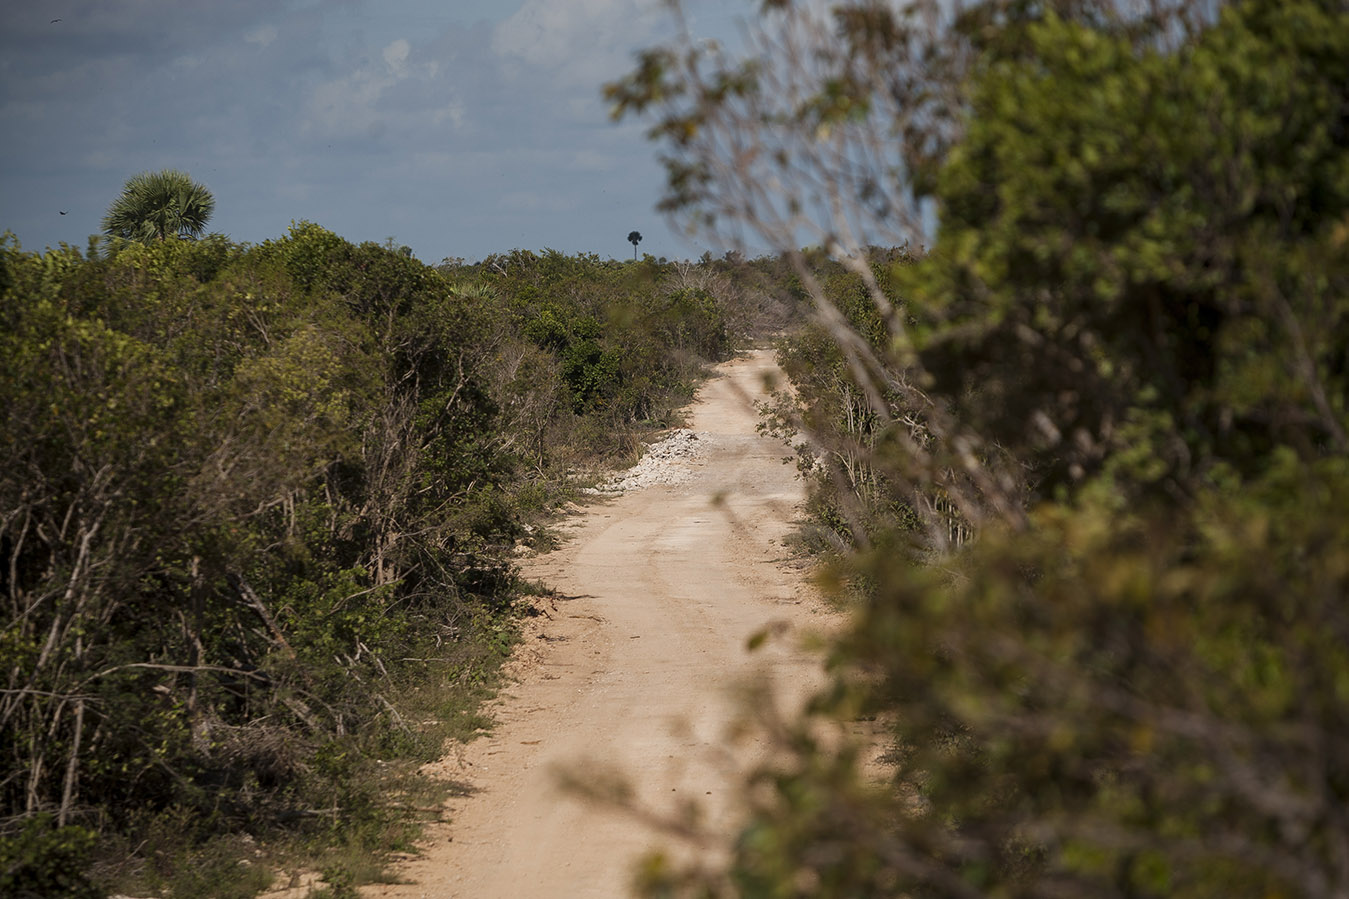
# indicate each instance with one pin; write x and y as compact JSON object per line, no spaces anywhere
{"x":579,"y":41}
{"x":262,"y":35}
{"x":461,"y":129}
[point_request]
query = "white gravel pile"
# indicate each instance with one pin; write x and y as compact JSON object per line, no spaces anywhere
{"x":670,"y":461}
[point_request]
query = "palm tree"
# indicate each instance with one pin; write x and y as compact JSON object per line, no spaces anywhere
{"x":159,"y":205}
{"x":634,"y":238}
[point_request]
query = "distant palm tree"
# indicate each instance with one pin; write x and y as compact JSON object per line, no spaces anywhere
{"x":159,"y":205}
{"x":634,"y":238}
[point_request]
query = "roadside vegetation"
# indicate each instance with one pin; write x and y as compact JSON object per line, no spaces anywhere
{"x":1080,"y":469}
{"x":1081,"y":466}
{"x":257,"y":515}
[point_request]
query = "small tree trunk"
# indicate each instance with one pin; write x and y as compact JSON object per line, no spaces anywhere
{"x":72,"y":767}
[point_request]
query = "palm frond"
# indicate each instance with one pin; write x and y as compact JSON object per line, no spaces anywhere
{"x":159,"y":205}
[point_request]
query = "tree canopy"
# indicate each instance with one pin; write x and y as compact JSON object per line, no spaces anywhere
{"x":159,"y":205}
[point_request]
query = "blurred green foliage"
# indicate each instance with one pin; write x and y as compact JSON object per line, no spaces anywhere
{"x":42,"y":860}
{"x":1143,"y":252}
{"x":1138,"y":308}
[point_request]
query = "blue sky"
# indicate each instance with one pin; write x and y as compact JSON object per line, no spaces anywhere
{"x":460,"y":128}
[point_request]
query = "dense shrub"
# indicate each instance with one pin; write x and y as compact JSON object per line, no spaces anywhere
{"x":625,"y":343}
{"x":255,"y":497}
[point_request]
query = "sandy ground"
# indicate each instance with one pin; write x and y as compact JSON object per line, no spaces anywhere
{"x":634,"y":670}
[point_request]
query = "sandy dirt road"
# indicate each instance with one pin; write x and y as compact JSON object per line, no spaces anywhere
{"x":634,"y":670}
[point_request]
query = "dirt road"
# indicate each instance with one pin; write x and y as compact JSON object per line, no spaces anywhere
{"x":635,"y":670}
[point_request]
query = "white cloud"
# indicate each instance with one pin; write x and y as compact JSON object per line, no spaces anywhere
{"x":351,"y":105}
{"x":347,"y":106}
{"x":396,"y":57}
{"x":452,"y":112}
{"x":580,"y":42}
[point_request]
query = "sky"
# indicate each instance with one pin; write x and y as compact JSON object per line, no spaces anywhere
{"x":460,"y":128}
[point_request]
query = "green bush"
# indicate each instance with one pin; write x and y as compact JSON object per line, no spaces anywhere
{"x":42,"y":860}
{"x":259,"y":502}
